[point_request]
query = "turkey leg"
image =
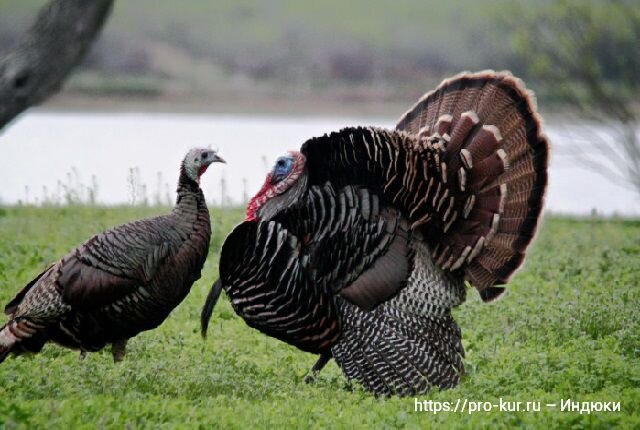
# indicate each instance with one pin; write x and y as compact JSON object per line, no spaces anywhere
{"x":119,"y":349}
{"x":317,"y":367}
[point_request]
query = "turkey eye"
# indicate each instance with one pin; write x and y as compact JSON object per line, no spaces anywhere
{"x":204,"y":156}
{"x":280,"y":163}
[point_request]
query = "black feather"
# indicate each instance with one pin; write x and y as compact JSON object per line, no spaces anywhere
{"x":209,"y":305}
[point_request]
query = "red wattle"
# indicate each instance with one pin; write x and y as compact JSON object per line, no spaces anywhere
{"x":257,"y":200}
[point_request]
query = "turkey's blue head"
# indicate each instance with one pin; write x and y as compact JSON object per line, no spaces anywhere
{"x":278,"y":189}
{"x":282,"y":168}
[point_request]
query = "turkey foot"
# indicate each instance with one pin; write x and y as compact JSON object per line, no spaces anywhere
{"x":119,"y":349}
{"x":312,"y":376}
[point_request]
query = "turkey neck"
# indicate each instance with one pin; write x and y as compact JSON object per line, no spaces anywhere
{"x":190,"y":201}
{"x":289,"y":198}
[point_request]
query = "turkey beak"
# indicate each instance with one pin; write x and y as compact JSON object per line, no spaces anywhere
{"x":218,"y":159}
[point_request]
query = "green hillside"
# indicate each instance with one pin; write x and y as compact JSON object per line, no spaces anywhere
{"x":193,"y":45}
{"x":351,"y":51}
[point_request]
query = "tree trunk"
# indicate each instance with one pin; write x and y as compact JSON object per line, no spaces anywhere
{"x":60,"y":36}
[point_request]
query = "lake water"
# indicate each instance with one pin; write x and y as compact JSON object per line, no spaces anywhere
{"x":44,"y":155}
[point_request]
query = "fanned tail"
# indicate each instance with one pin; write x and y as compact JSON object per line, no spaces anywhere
{"x":492,"y":157}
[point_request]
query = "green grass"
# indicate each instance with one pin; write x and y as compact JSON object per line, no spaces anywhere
{"x":567,"y":328}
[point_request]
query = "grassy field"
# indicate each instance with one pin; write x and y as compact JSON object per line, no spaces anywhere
{"x":567,"y":329}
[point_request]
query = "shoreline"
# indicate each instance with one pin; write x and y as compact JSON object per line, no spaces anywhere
{"x":302,"y":106}
{"x":227,"y":104}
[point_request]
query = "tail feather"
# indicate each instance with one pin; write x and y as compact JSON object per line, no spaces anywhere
{"x":209,"y":305}
{"x":495,"y":165}
{"x":21,"y":336}
{"x":7,"y":342}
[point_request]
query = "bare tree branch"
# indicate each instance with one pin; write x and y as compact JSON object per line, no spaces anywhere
{"x":602,"y":169}
{"x":60,"y":36}
{"x":586,"y":53}
{"x":606,"y":157}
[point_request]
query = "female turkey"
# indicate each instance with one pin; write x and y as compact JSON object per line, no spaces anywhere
{"x":358,"y":246}
{"x":118,"y":283}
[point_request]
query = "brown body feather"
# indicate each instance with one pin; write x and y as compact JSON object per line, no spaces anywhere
{"x":117,"y":284}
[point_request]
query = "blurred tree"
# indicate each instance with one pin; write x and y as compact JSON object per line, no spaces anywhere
{"x":60,"y":36}
{"x":587,"y":53}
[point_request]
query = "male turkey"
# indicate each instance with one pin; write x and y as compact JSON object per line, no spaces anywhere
{"x":358,"y":246}
{"x":118,"y":283}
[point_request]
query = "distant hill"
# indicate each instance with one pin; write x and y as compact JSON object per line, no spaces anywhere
{"x":355,"y":50}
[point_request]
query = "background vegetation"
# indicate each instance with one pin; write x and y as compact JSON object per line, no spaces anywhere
{"x":360,"y":50}
{"x":586,"y":56}
{"x":265,"y":46}
{"x":567,"y":328}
